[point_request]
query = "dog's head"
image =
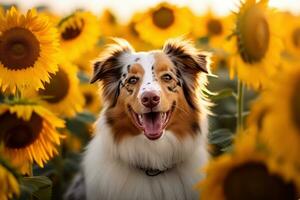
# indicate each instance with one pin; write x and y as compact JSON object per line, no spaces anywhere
{"x":150,"y":92}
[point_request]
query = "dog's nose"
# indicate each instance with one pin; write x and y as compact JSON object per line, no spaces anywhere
{"x":150,"y":99}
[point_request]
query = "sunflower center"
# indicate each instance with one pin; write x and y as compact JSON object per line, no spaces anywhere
{"x":18,"y":133}
{"x":254,"y":35}
{"x":163,"y":17}
{"x":296,"y":37}
{"x":295,"y":105}
{"x":253,"y":181}
{"x":73,"y":31}
{"x":133,"y":30}
{"x":19,"y":49}
{"x":57,"y":88}
{"x":88,"y":98}
{"x":214,"y":27}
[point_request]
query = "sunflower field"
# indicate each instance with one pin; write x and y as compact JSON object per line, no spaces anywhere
{"x":48,"y":106}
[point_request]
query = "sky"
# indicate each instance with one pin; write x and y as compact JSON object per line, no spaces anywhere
{"x":124,"y":8}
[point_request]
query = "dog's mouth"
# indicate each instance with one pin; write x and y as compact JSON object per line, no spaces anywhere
{"x":152,"y":124}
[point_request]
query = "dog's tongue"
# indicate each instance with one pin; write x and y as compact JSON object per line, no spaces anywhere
{"x":153,"y":125}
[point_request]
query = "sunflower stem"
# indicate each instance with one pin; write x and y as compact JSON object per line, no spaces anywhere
{"x":240,"y":106}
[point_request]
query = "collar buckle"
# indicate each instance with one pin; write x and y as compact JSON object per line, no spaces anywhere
{"x":153,"y":172}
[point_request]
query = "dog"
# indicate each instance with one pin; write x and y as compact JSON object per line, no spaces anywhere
{"x":150,"y":137}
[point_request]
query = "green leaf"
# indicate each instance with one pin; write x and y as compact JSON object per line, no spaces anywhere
{"x":8,"y":167}
{"x":227,"y":149}
{"x":28,"y":188}
{"x":221,"y":137}
{"x":86,"y":117}
{"x":39,"y":187}
{"x":84,"y":78}
{"x":79,"y":125}
{"x":228,"y":92}
{"x":203,"y":40}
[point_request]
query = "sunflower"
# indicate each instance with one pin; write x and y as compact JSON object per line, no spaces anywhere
{"x":281,"y":130}
{"x":62,"y":95}
{"x":29,"y":134}
{"x":79,"y":33}
{"x":163,"y":22}
{"x":9,"y":184}
{"x":256,"y":46}
{"x":291,"y":35}
{"x":220,"y":59}
{"x":28,"y":50}
{"x":214,"y":27}
{"x":53,"y":18}
{"x":245,"y":174}
{"x":255,"y":120}
{"x":84,"y":62}
{"x":93,"y":102}
{"x":109,"y":24}
{"x":132,"y":35}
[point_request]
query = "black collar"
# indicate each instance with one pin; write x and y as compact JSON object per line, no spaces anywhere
{"x":153,"y":172}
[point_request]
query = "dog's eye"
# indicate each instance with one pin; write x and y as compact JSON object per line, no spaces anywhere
{"x":166,"y":77}
{"x":133,"y":80}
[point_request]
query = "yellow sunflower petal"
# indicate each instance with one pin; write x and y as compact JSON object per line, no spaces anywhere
{"x":9,"y":184}
{"x":109,"y":24}
{"x":62,"y":94}
{"x":79,"y":33}
{"x":216,"y":28}
{"x":163,"y":21}
{"x":130,"y":33}
{"x":28,"y":140}
{"x":92,"y":99}
{"x":257,"y":47}
{"x":279,"y":124}
{"x":291,"y":34}
{"x":29,"y":46}
{"x":245,"y":173}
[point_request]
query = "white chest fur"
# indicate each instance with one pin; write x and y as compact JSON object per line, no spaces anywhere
{"x":110,"y":175}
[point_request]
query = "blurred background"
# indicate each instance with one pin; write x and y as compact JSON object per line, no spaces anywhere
{"x":124,"y":12}
{"x":255,"y":47}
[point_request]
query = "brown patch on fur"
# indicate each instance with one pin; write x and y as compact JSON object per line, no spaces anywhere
{"x":162,"y":62}
{"x":189,"y":63}
{"x":122,"y":125}
{"x":136,"y":68}
{"x":184,"y":117}
{"x":108,"y":69}
{"x":183,"y":120}
{"x":178,"y":59}
{"x":189,"y":59}
{"x":164,"y":65}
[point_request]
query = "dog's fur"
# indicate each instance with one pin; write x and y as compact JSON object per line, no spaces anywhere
{"x":121,"y":163}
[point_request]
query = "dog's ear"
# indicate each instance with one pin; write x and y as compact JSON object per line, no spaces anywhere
{"x":186,"y":57}
{"x":108,"y":68}
{"x":108,"y":63}
{"x":189,"y":63}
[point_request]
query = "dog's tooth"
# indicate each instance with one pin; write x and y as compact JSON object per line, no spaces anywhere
{"x":163,"y":116}
{"x":140,"y":118}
